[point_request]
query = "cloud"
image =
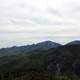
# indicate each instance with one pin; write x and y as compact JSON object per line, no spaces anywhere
{"x":44,"y":12}
{"x":38,"y":20}
{"x":39,"y":12}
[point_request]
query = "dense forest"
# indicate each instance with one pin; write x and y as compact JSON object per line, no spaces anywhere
{"x":42,"y":61}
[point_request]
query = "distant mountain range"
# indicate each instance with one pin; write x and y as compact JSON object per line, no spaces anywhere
{"x":44,"y":58}
{"x":29,"y":48}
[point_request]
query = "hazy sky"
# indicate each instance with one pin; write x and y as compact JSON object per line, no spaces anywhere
{"x":30,"y":21}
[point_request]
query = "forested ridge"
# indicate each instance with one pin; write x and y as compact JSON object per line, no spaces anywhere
{"x":55,"y":63}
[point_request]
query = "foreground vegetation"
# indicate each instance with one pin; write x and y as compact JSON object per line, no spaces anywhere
{"x":35,"y":76}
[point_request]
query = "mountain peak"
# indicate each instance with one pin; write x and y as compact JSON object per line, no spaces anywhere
{"x":48,"y":44}
{"x":74,"y":42}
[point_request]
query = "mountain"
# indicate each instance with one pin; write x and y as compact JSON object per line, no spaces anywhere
{"x":28,"y":48}
{"x":67,"y":57}
{"x":47,"y":45}
{"x":61,"y":61}
{"x":76,"y":42}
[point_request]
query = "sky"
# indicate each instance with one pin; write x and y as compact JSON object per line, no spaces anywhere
{"x":25,"y":22}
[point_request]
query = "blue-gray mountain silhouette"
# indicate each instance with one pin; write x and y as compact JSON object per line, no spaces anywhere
{"x":76,"y":42}
{"x":28,"y":48}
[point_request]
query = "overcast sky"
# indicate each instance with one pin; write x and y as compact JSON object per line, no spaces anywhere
{"x":30,"y":21}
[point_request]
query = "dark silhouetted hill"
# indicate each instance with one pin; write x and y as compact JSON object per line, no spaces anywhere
{"x":24,"y":49}
{"x":45,"y":62}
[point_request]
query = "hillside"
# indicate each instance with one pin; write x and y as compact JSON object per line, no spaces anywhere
{"x":57,"y":63}
{"x":28,"y":48}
